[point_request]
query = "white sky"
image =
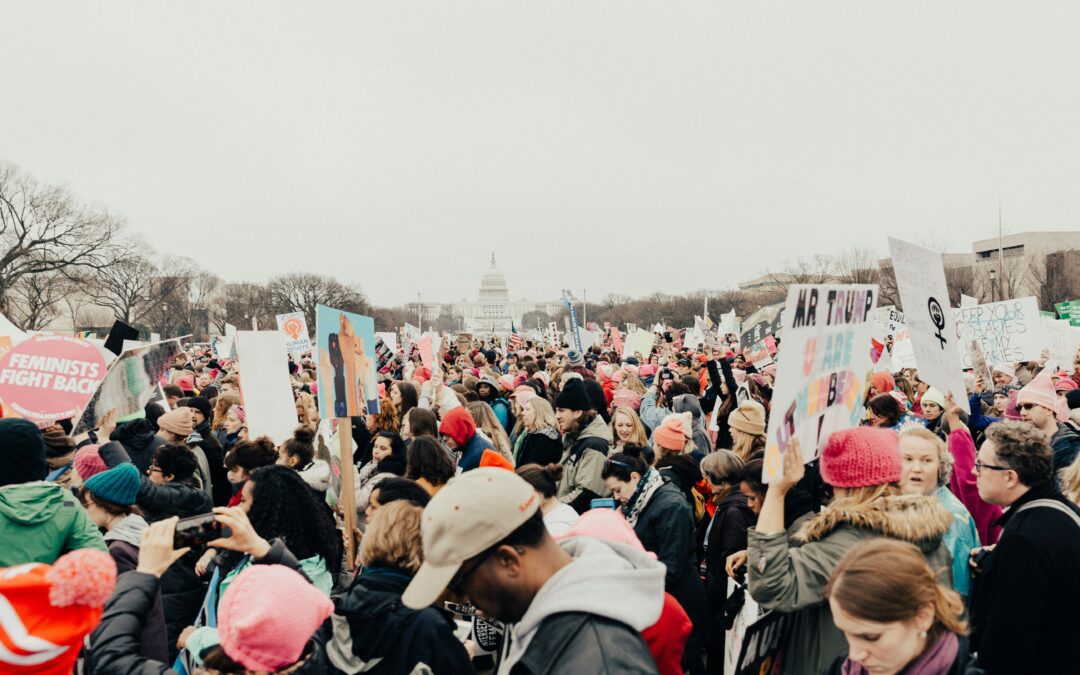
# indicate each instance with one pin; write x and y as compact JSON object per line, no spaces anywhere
{"x":625,"y":147}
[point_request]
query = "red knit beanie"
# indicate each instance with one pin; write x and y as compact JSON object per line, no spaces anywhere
{"x":861,"y":457}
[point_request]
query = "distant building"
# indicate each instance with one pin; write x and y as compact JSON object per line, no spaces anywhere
{"x":492,"y":311}
{"x":1016,"y":265}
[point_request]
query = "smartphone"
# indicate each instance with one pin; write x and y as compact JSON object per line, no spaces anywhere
{"x":198,"y":531}
{"x":602,"y":503}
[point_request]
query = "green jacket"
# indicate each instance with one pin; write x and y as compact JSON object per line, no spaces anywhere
{"x":39,"y":522}
{"x":792,"y":579}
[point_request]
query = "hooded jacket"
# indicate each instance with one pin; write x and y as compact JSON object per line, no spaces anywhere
{"x":473,"y":451}
{"x":316,"y":475}
{"x":372,"y":632}
{"x":583,"y":461}
{"x":793,"y":580}
{"x":221,"y":491}
{"x":689,"y":403}
{"x":123,"y":541}
{"x":140,"y":440}
{"x":589,"y":615}
{"x":1065,"y":444}
{"x":41,"y":521}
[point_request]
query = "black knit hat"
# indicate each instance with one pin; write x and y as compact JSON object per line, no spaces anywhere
{"x":57,"y":443}
{"x":573,"y":396}
{"x":201,"y":404}
{"x":24,"y":452}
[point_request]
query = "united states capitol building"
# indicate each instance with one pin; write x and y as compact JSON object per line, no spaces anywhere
{"x":492,"y":311}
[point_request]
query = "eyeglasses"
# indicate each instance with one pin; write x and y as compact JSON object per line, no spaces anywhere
{"x":154,"y":468}
{"x":1027,"y":406}
{"x":979,"y":466}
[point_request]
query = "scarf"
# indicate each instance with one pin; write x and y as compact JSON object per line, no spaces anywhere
{"x":646,"y":487}
{"x":938,"y":659}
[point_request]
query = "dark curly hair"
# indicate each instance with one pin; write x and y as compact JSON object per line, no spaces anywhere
{"x":250,"y":455}
{"x":401,"y":489}
{"x":177,"y":460}
{"x":284,"y":507}
{"x":429,"y":461}
{"x":396,"y":461}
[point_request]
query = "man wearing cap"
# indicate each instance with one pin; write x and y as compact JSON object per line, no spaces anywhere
{"x":484,"y":539}
{"x":586,"y":443}
{"x":39,"y":521}
{"x":1038,"y":404}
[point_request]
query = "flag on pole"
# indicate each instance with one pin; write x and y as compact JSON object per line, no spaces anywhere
{"x":516,"y":342}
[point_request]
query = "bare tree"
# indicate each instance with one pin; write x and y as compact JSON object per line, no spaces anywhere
{"x":857,"y":266}
{"x":129,"y":288}
{"x":35,"y":300}
{"x":236,"y":303}
{"x":301,"y":292}
{"x":43,"y":229}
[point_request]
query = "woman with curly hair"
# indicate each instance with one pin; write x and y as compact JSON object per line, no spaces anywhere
{"x":280,"y":506}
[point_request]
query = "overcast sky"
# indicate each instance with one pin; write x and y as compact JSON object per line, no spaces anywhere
{"x":625,"y":147}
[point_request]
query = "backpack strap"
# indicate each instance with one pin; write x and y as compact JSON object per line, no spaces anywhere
{"x":1053,"y":504}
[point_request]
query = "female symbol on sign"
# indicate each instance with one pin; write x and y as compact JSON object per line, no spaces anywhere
{"x":937,"y":315}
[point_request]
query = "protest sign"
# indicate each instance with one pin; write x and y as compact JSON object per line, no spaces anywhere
{"x":819,"y":386}
{"x":465,"y":344}
{"x":903,"y":354}
{"x":735,"y":637}
{"x":120,"y":331}
{"x":758,"y":354}
{"x":587,"y":337}
{"x":617,"y":342}
{"x":572,"y":323}
{"x":50,"y":377}
{"x":390,"y":340}
{"x":347,"y":382}
{"x":10,"y":330}
{"x":294,"y":327}
{"x":1062,"y":339}
{"x":1069,"y":311}
{"x":728,"y":324}
{"x":758,"y":331}
{"x":427,"y":352}
{"x":1007,"y":331}
{"x":968,"y":301}
{"x":763,"y":646}
{"x":641,"y":342}
{"x":268,"y":398}
{"x":553,"y":333}
{"x":130,"y":383}
{"x":920,"y":278}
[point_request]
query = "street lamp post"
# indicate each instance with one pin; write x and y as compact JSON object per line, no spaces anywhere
{"x":993,"y":285}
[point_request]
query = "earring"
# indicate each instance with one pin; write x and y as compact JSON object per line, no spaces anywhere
{"x":922,"y":635}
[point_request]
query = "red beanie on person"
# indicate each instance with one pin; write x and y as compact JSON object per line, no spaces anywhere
{"x":493,"y":459}
{"x":882,"y":383}
{"x":861,"y":457}
{"x":459,"y":425}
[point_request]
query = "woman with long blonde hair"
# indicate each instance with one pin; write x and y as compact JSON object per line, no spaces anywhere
{"x":487,"y":423}
{"x":307,"y":411}
{"x":627,"y":429}
{"x":539,"y":441}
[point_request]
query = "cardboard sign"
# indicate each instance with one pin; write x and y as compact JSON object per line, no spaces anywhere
{"x":758,"y":354}
{"x":390,"y":340}
{"x":819,"y":386}
{"x":920,"y":278}
{"x":763,"y":645}
{"x":268,"y":399}
{"x":1007,"y":332}
{"x":427,"y":352}
{"x":50,"y":377}
{"x":347,"y":381}
{"x":131,"y":382}
{"x":293,"y":326}
{"x":640,"y":342}
{"x":967,"y":301}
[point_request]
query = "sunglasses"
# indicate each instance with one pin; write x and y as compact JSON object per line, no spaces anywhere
{"x":1026,"y":406}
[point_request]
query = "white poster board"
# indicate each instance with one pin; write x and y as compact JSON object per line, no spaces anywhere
{"x":268,"y":399}
{"x":920,"y":278}
{"x":1007,"y":331}
{"x":819,"y":389}
{"x":293,"y":327}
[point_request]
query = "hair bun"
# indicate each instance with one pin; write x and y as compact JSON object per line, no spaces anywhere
{"x":554,"y":472}
{"x":303,"y":434}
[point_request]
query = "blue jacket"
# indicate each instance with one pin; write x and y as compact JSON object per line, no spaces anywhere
{"x":473,"y":451}
{"x":960,"y":539}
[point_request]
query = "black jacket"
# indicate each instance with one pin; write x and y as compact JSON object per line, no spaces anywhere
{"x":371,"y":631}
{"x":539,"y":448}
{"x":708,"y":399}
{"x":1025,"y":597}
{"x":114,"y":644}
{"x":576,"y":642}
{"x":215,"y":457}
{"x":159,"y":502}
{"x":140,"y":440}
{"x":726,"y":535}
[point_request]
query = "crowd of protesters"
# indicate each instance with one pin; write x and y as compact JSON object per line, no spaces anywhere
{"x":540,"y":509}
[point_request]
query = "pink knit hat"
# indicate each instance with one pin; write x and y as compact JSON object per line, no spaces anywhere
{"x":674,"y":431}
{"x":178,"y":421}
{"x":1039,"y":391}
{"x":861,"y":457}
{"x":647,"y":370}
{"x":1065,"y":384}
{"x":524,"y":394}
{"x":253,"y":629}
{"x":88,"y":461}
{"x":626,"y":398}
{"x":606,"y":525}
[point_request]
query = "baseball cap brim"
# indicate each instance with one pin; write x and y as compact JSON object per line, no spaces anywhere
{"x":428,"y":584}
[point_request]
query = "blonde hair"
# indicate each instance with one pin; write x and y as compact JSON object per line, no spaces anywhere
{"x":849,"y":497}
{"x":888,"y":580}
{"x":310,"y":409}
{"x":744,"y":444}
{"x":637,"y":436}
{"x":486,"y":422}
{"x":393,"y":537}
{"x":945,"y":458}
{"x":545,"y":415}
{"x":634,"y":384}
{"x":1070,"y":481}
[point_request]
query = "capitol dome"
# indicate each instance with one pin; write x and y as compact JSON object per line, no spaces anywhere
{"x":494,"y":300}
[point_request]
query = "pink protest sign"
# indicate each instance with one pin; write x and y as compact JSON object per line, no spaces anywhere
{"x":50,"y":377}
{"x":427,"y":353}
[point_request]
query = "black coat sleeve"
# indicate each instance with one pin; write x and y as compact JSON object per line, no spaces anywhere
{"x":114,"y":644}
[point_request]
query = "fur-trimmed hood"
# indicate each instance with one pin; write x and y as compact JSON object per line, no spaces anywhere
{"x":923,"y":521}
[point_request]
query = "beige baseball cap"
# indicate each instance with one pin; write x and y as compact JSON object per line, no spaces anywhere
{"x":472,"y":513}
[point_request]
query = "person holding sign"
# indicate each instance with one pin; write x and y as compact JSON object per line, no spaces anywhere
{"x":863,"y":466}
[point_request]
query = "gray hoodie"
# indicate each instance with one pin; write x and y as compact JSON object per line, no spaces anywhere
{"x":129,"y":530}
{"x":607,"y":579}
